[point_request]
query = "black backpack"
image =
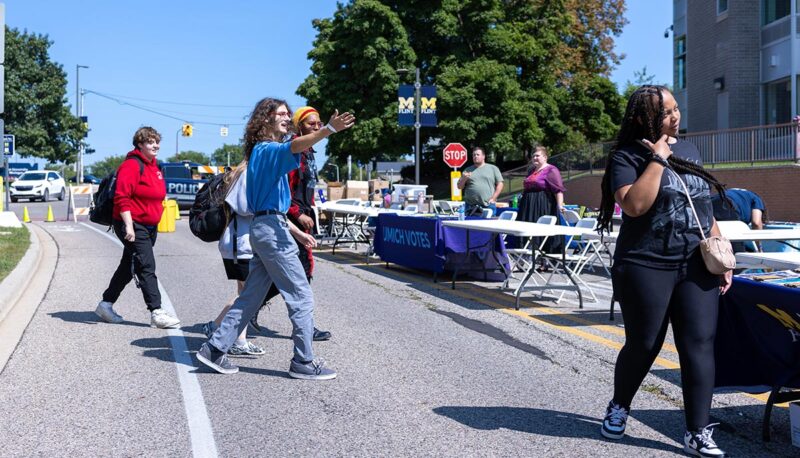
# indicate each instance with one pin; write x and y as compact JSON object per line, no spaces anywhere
{"x":101,"y":209}
{"x":207,"y":217}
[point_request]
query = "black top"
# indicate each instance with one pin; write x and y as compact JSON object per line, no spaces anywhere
{"x":667,"y":235}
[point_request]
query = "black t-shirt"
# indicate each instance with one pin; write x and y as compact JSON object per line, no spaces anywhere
{"x":667,"y":235}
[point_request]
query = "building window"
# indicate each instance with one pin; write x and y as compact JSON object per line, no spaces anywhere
{"x":772,"y":10}
{"x":680,"y":62}
{"x":722,"y":6}
{"x":778,"y":102}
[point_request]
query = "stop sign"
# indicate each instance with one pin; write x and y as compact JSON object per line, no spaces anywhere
{"x":455,"y":155}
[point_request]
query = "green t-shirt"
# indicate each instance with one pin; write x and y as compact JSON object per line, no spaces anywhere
{"x":480,"y":187}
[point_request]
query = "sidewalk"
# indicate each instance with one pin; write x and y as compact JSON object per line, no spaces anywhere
{"x":24,"y":288}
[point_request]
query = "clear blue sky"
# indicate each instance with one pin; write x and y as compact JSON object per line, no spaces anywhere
{"x":224,"y":54}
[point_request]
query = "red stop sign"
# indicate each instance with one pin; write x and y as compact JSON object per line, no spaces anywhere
{"x":455,"y":155}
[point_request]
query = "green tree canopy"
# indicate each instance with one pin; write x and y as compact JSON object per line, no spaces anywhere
{"x":36,"y":109}
{"x":191,"y":156}
{"x":220,"y":155}
{"x":510,"y":73}
{"x":107,"y":166}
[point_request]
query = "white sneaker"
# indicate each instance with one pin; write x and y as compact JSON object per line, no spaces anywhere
{"x":159,"y":318}
{"x":106,"y":312}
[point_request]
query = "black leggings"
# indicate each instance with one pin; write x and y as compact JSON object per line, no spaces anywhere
{"x":137,"y":258}
{"x":652,"y":298}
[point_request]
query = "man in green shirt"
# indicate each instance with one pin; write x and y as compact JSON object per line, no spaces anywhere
{"x":481,"y":183}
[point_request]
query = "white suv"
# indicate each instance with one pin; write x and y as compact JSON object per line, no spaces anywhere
{"x":38,"y":184}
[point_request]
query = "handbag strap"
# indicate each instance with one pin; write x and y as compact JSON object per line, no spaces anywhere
{"x":689,"y":198}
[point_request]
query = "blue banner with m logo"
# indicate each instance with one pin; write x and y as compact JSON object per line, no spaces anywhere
{"x":427,"y":107}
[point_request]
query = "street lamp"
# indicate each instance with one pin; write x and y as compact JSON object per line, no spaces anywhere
{"x":79,"y":113}
{"x":417,"y":87}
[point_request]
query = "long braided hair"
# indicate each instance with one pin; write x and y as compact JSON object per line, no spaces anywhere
{"x":643,"y":119}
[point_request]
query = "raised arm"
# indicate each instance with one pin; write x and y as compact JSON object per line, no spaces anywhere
{"x":337,"y":123}
{"x":637,"y":198}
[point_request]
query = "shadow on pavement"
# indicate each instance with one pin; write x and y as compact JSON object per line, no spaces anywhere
{"x":548,"y":423}
{"x":91,"y":318}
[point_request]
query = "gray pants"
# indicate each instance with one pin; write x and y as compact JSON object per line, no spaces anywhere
{"x":274,"y":260}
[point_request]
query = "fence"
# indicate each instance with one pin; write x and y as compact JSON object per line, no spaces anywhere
{"x":748,"y":145}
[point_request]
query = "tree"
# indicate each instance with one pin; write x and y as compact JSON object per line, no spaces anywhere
{"x":220,"y":155}
{"x":107,"y":166}
{"x":36,"y":109}
{"x":191,"y":156}
{"x":510,"y":73}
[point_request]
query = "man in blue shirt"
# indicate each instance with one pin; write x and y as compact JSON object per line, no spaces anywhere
{"x":749,"y":207}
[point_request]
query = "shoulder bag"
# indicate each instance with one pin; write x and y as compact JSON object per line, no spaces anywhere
{"x":716,"y":250}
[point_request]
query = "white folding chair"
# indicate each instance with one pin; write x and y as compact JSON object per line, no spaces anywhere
{"x":446,"y":208}
{"x":521,"y":258}
{"x":571,"y":217}
{"x":577,"y":260}
{"x":509,"y":215}
{"x":486,"y":213}
{"x":411,"y":208}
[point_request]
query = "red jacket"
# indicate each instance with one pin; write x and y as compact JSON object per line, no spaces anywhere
{"x":142,"y":195}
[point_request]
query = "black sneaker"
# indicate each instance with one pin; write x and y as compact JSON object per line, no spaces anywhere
{"x":215,"y":359}
{"x":312,"y":370}
{"x":321,"y":335}
{"x":700,"y":443}
{"x":615,"y":421}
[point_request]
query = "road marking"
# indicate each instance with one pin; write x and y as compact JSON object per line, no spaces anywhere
{"x":200,"y":430}
{"x":663,"y":362}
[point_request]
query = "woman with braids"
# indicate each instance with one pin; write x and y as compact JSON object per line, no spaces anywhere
{"x":659,"y":276}
{"x":275,"y":257}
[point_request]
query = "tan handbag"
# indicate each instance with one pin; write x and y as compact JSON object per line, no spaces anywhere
{"x":716,"y":250}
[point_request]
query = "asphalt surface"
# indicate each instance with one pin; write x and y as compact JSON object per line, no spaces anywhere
{"x":423,"y":370}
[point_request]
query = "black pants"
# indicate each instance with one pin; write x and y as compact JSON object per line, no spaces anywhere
{"x":138,"y":258}
{"x":652,"y":298}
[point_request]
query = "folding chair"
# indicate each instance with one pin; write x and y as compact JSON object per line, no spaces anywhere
{"x":446,"y":208}
{"x":571,"y":217}
{"x":486,"y":213}
{"x":411,"y":208}
{"x":509,"y":215}
{"x":521,"y":258}
{"x":577,"y":260}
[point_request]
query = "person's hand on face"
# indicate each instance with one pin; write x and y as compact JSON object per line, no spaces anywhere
{"x":659,"y":148}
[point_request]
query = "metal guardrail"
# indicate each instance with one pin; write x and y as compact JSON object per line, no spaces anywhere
{"x":773,"y":143}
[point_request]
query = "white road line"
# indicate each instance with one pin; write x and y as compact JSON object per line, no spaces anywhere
{"x":200,"y":430}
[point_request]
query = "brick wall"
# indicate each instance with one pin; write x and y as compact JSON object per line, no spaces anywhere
{"x":776,"y":186}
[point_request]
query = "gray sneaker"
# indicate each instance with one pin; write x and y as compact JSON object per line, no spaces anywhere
{"x":215,"y":359}
{"x":159,"y":318}
{"x":105,"y":310}
{"x":248,"y":348}
{"x":312,"y":370}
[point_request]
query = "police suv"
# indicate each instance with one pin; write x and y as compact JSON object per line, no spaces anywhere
{"x":184,"y":179}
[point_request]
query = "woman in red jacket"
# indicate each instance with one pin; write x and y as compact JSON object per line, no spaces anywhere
{"x":138,"y":206}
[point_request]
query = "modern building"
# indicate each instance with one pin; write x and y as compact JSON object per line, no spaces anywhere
{"x":736,"y":62}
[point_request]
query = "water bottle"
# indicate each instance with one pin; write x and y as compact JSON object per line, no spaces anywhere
{"x":420,"y":202}
{"x":461,"y":215}
{"x":515,"y":201}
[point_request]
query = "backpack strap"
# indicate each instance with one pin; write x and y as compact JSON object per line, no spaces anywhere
{"x":235,"y":240}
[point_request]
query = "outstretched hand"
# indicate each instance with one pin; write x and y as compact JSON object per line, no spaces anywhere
{"x":342,"y":121}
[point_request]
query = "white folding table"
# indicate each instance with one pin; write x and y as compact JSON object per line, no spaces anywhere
{"x":780,"y":261}
{"x":524,"y":229}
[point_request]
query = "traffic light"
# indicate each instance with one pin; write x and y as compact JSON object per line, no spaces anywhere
{"x":186,"y":130}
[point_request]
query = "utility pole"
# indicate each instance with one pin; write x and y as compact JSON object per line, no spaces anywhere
{"x":79,"y":113}
{"x":417,"y":100}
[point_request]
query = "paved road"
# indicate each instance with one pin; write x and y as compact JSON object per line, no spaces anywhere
{"x":423,"y":371}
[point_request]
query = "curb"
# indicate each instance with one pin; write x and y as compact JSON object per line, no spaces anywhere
{"x":23,"y":289}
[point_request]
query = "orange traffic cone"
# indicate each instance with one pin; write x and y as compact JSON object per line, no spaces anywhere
{"x":50,"y":218}
{"x":26,"y":218}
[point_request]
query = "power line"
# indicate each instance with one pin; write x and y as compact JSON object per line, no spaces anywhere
{"x":170,"y":103}
{"x":139,"y":107}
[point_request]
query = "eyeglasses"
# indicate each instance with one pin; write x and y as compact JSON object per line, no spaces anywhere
{"x":282,"y":114}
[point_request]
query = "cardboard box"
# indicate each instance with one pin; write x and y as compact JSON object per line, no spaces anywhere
{"x":356,"y":190}
{"x":335,"y":190}
{"x":794,"y":422}
{"x":377,"y":185}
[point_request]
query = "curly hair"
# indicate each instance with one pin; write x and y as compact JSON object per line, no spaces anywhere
{"x":261,"y":125}
{"x":144,"y":134}
{"x":644,"y":116}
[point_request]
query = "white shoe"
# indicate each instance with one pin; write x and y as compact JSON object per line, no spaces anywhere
{"x":106,"y":312}
{"x":159,"y":318}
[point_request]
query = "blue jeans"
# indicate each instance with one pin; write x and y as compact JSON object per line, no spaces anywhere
{"x":274,"y":260}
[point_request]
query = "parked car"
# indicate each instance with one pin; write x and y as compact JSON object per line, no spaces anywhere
{"x":38,"y":184}
{"x":87,"y":179}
